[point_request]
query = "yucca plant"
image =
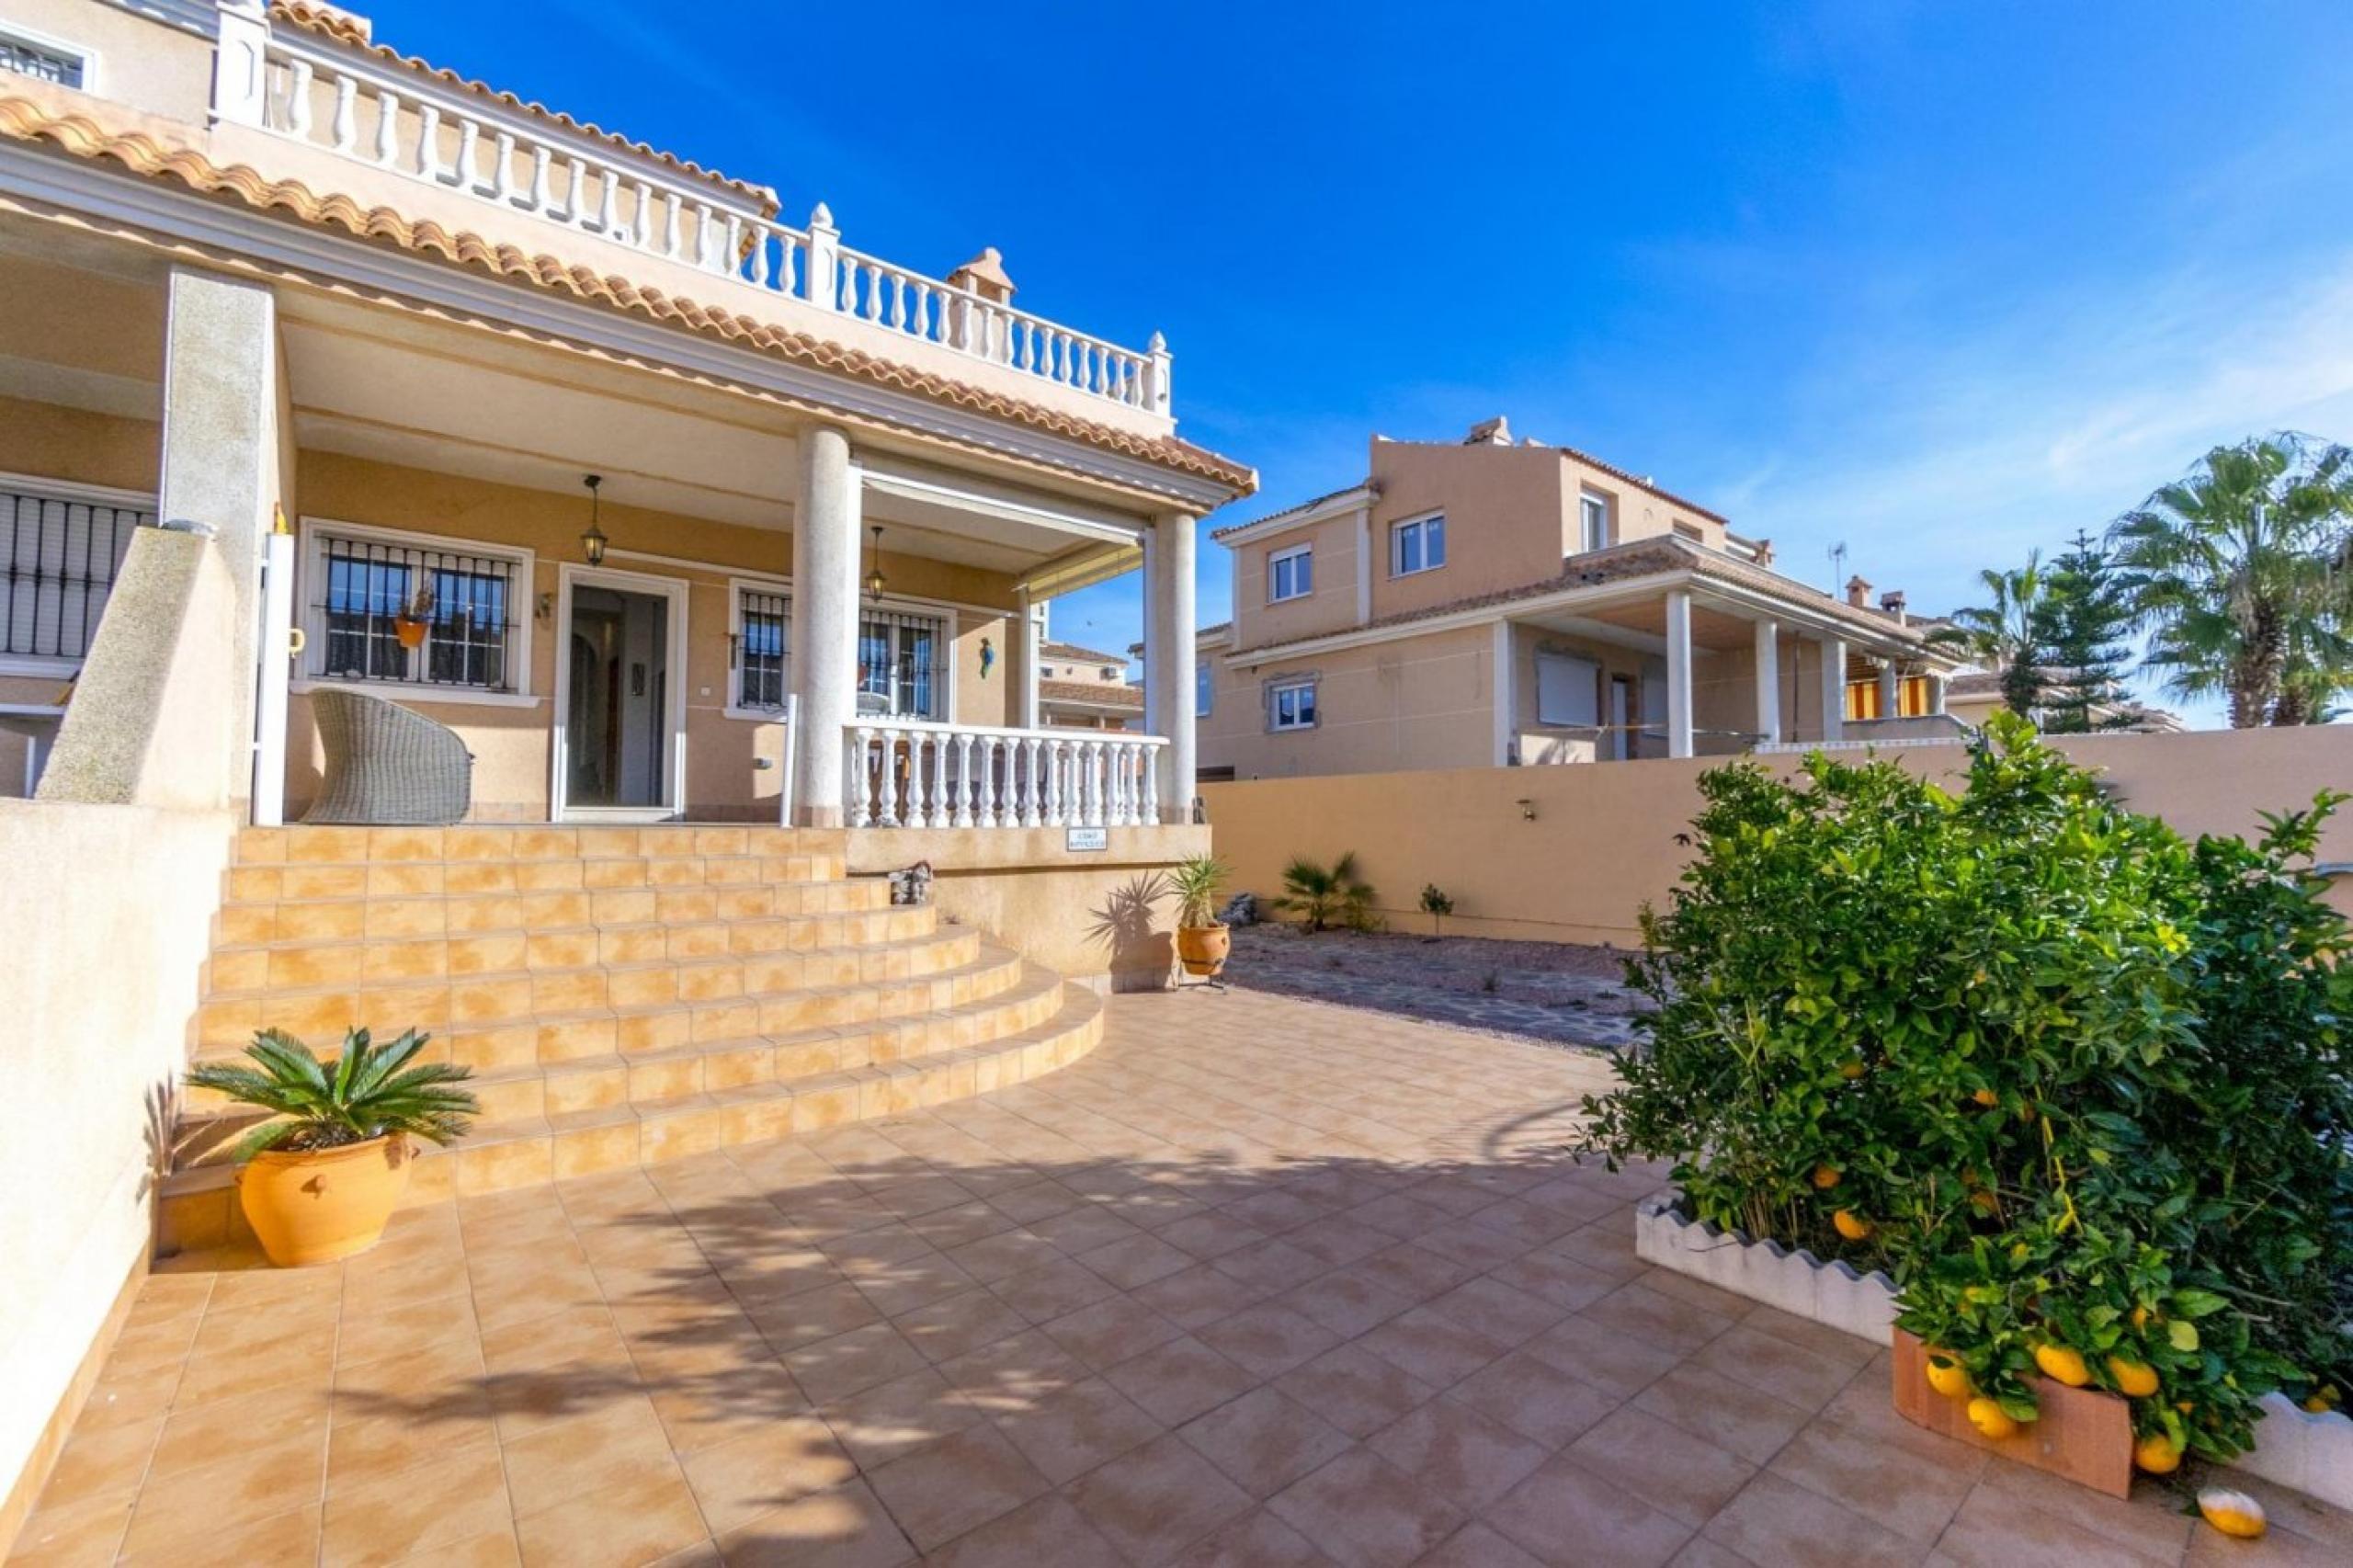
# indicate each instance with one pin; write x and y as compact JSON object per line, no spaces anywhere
{"x":1323,"y":896}
{"x":1194,"y":884}
{"x":365,"y":1092}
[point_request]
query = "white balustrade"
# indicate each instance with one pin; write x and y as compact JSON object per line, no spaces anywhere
{"x":915,"y":773}
{"x":372,"y":113}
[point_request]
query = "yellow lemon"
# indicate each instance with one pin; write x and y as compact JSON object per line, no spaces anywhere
{"x":2061,"y":1364}
{"x":1826,"y":1178}
{"x":1991,"y":1420}
{"x":2324,"y":1400}
{"x":2233,"y":1513}
{"x":1850,"y":1225}
{"x":2139,"y":1317}
{"x":2157,"y":1454}
{"x":1984,"y":1203}
{"x":1850,"y":1071}
{"x":1947,"y":1376}
{"x":2134,"y":1379}
{"x":1987,"y":1097}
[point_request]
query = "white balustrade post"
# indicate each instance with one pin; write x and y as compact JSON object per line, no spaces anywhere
{"x":241,"y":63}
{"x":345,"y":125}
{"x":861,"y":813}
{"x":467,"y":170}
{"x":1055,"y":798}
{"x":1033,"y":785}
{"x":388,"y":127}
{"x":962,"y":796}
{"x":824,"y":259}
{"x":298,"y":99}
{"x":428,"y":142}
{"x":1151,"y":785}
{"x":502,"y":173}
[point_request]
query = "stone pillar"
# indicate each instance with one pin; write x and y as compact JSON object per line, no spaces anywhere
{"x":1936,"y":694}
{"x":1678,"y":671}
{"x":1834,"y":688}
{"x":1168,"y":648}
{"x":1891,"y":689}
{"x":825,"y":621}
{"x":1769,"y":681}
{"x":1027,"y":650}
{"x":219,"y":461}
{"x":1506,"y":712}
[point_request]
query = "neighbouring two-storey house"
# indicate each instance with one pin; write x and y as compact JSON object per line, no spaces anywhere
{"x":1490,"y":602}
{"x":1087,"y":689}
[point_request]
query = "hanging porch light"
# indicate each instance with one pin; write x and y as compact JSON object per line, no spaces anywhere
{"x":593,"y":542}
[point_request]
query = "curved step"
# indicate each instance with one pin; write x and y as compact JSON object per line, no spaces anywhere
{"x":198,"y":1207}
{"x":393,"y":912}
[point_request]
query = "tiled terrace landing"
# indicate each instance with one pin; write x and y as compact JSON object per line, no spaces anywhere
{"x":1261,"y":1282}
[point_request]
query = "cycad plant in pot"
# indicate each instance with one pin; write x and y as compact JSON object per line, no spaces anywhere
{"x":320,"y":1178}
{"x":1202,"y":940}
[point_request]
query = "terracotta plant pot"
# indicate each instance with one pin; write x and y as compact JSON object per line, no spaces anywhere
{"x":1202,"y":949}
{"x":2085,"y":1434}
{"x":315,"y":1208}
{"x":410,"y":633}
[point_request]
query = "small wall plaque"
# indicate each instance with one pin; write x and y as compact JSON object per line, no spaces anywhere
{"x":1076,"y":840}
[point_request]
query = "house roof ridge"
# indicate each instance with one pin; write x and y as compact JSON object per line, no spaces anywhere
{"x":1103,"y":693}
{"x":324,"y":22}
{"x":1082,"y":651}
{"x":147,"y":156}
{"x":1307,"y":505}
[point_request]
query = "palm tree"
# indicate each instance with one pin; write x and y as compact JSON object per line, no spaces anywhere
{"x":2233,"y":571}
{"x":1322,"y":895}
{"x":2005,"y":633}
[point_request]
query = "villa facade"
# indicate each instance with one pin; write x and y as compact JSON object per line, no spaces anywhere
{"x":1491,"y":603}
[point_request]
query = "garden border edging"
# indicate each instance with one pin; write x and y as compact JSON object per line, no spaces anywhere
{"x":2297,"y":1449}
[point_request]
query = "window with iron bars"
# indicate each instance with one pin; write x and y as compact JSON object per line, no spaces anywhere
{"x":383,"y":610}
{"x":27,"y":59}
{"x":763,"y":646}
{"x":58,"y":561}
{"x":900,"y":669}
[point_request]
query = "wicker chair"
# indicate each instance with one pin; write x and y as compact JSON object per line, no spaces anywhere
{"x":385,"y":764}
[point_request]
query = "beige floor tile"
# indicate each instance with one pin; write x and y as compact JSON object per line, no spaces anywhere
{"x":1072,"y":1430}
{"x":1566,"y":1514}
{"x":1887,"y":1478}
{"x":637,"y":1519}
{"x":956,"y":1485}
{"x":1671,"y":1469}
{"x":738,"y":1481}
{"x":1364,"y":1512}
{"x":1156,"y":1501}
{"x":1729,"y":1414}
{"x":252,"y":1481}
{"x":1181,"y":1379}
{"x":845,"y":1528}
{"x":395,"y":1514}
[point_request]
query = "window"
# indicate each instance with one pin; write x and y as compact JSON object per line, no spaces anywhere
{"x":1593,"y":512}
{"x":43,"y":61}
{"x":1417,"y":546}
{"x":60,"y":549}
{"x":414,"y":611}
{"x":1691,"y":531}
{"x":1202,"y":688}
{"x":1291,"y":574}
{"x":1291,"y":706}
{"x":1568,"y":691}
{"x":901,"y":668}
{"x":763,"y":645}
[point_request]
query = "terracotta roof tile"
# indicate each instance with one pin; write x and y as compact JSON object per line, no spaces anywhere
{"x":1100,"y":694}
{"x":25,"y":119}
{"x":1074,"y":651}
{"x":328,"y":23}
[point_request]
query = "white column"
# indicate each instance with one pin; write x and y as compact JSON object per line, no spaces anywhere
{"x":220,"y":473}
{"x":1027,"y":650}
{"x":1936,"y":693}
{"x":239,"y":82}
{"x":1169,"y":650}
{"x":1678,"y":671}
{"x":1154,"y":639}
{"x":824,"y":620}
{"x":275,"y":658}
{"x":1834,"y":688}
{"x":1891,"y":689}
{"x":1769,"y":681}
{"x":1506,"y":714}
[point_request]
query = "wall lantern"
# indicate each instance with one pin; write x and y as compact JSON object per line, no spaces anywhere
{"x":874,"y":578}
{"x":593,"y":541}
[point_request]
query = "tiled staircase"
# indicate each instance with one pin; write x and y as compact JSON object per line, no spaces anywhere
{"x":624,"y":995}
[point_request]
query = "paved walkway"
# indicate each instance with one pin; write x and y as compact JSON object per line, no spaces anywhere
{"x":1257,"y":1283}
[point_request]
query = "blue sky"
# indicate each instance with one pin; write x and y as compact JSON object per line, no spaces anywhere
{"x":1941,"y":282}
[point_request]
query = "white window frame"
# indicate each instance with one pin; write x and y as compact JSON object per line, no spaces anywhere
{"x":1397,"y":532}
{"x":1589,"y":503}
{"x":943,"y":672}
{"x":40,"y":42}
{"x":1302,"y":553}
{"x":737,"y":587}
{"x":311,"y":612}
{"x":74,"y":494}
{"x":1276,"y":690}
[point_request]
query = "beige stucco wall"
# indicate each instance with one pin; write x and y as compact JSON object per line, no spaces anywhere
{"x":1330,"y":607}
{"x":160,"y":69}
{"x":511,"y":744}
{"x":1100,"y":917}
{"x":1602,"y":839}
{"x":1505,"y":518}
{"x":1423,"y":701}
{"x":106,"y":919}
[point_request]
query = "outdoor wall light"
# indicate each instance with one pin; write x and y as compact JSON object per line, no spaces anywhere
{"x":874,"y":578}
{"x":593,"y":542}
{"x":543,"y":607}
{"x":1527,"y":809}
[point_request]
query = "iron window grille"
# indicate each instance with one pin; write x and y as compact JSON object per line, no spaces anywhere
{"x":764,"y":645}
{"x":898,"y":662}
{"x":26,"y":59}
{"x":413,"y":615}
{"x":60,"y":559}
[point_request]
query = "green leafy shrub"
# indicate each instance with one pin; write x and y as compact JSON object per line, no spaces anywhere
{"x":368,"y":1091}
{"x":1437,"y":903}
{"x":2065,"y":1076}
{"x":1324,"y":896}
{"x":1195,"y":882}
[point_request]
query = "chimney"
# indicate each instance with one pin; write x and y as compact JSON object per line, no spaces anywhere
{"x":1764,"y":553}
{"x":1858,"y":593}
{"x":1495,"y":432}
{"x":984,"y":275}
{"x":1892,"y":603}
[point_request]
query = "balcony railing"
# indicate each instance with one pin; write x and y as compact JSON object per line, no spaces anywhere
{"x":381,"y":115}
{"x":903,"y":773}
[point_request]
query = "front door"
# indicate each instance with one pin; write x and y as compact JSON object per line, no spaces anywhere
{"x":1621,"y":715}
{"x":618,"y":698}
